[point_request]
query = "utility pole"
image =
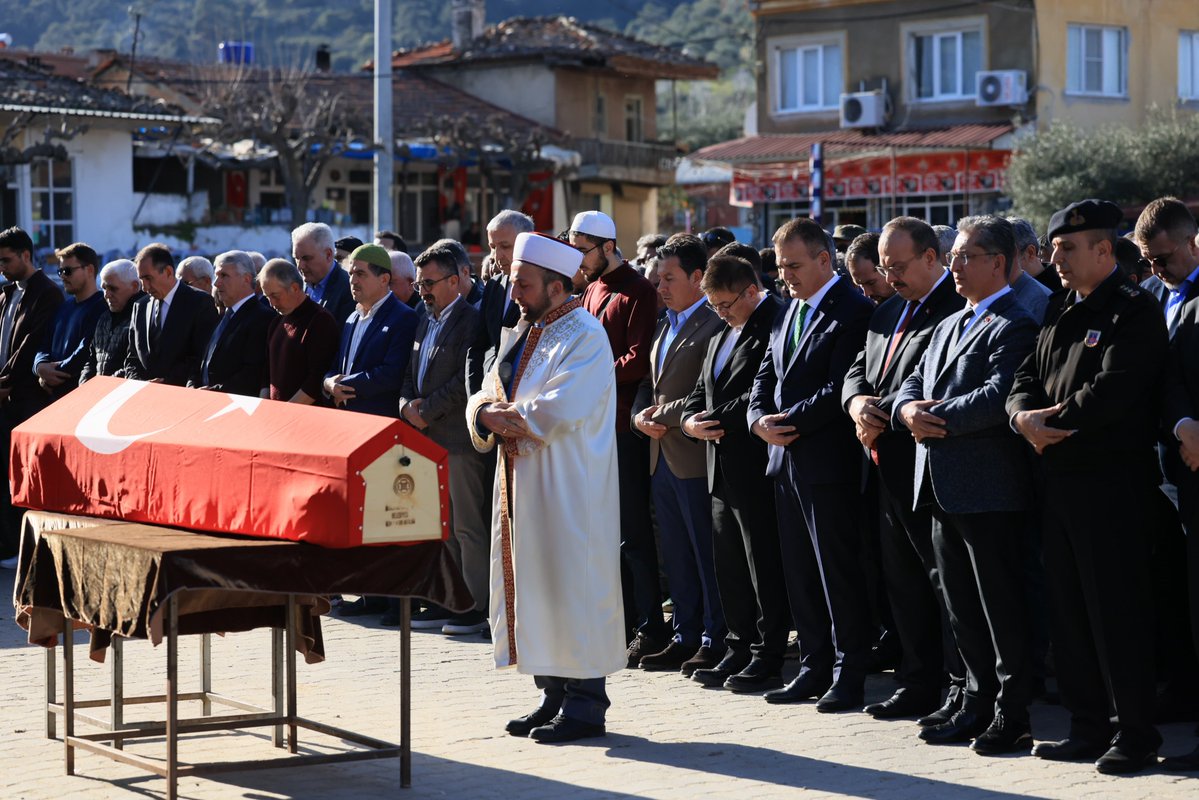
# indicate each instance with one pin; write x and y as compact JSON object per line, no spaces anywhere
{"x":382,"y":213}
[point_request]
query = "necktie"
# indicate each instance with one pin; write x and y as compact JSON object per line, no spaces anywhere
{"x":1174,"y":304}
{"x":961,"y":328}
{"x":899,"y":332}
{"x":214,"y":341}
{"x":797,"y":331}
{"x":155,"y":319}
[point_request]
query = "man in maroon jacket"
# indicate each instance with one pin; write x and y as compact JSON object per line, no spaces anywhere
{"x":627,"y":305}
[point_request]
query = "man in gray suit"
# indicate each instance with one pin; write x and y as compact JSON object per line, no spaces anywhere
{"x":973,"y":471}
{"x":433,"y":400}
{"x":677,"y":464}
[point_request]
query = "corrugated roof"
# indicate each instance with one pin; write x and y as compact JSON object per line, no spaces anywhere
{"x":772,"y":148}
{"x":567,"y":41}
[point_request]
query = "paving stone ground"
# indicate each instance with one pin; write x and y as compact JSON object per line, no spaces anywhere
{"x":668,"y":738}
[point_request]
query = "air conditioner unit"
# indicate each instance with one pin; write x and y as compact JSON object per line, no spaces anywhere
{"x":1003,"y":87}
{"x":863,"y":109}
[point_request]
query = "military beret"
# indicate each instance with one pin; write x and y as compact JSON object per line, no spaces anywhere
{"x":372,"y":254}
{"x":1085,"y":215}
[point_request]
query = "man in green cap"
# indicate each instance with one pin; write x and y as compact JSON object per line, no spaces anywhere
{"x":375,"y":341}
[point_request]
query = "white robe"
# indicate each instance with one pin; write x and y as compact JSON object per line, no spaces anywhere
{"x":569,"y":618}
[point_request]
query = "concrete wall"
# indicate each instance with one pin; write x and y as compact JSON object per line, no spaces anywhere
{"x":575,"y":91}
{"x":1153,"y":27}
{"x":524,"y":89}
{"x":879,"y":47}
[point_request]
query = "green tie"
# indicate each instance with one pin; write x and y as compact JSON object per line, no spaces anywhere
{"x":797,"y":331}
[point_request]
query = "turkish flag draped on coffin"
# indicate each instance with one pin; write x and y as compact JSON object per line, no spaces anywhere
{"x":212,"y":461}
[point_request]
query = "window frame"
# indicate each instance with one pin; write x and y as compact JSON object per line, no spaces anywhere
{"x":1072,"y":68}
{"x":911,"y":32}
{"x":631,"y":120}
{"x":53,"y":222}
{"x":819,"y":42}
{"x":1193,"y":37}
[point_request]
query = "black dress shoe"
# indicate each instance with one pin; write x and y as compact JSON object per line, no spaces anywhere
{"x":1127,"y":754}
{"x":1005,"y":735}
{"x":758,"y":676}
{"x":1070,"y":750}
{"x":806,"y":686}
{"x":522,"y":726}
{"x":840,"y":698}
{"x":962,"y":727}
{"x":704,"y":658}
{"x":904,"y":703}
{"x":714,"y":677}
{"x":642,"y":645}
{"x":1187,"y":763}
{"x":565,"y":729}
{"x":953,"y":704}
{"x":668,"y":660}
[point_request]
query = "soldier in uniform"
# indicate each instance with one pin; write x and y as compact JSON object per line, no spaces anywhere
{"x":1088,"y":400}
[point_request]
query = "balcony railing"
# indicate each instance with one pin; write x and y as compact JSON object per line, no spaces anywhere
{"x":630,"y":155}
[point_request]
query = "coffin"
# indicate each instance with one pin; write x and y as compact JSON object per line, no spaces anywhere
{"x":211,"y":461}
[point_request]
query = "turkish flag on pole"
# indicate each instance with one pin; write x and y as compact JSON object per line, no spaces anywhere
{"x":211,"y":461}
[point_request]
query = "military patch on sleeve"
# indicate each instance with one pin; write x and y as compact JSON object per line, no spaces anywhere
{"x":1129,"y":290}
{"x":1092,"y":338}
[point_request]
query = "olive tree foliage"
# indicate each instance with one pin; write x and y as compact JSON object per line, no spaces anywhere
{"x":1129,"y":167}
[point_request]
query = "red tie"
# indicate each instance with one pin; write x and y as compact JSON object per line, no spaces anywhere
{"x":898,"y":335}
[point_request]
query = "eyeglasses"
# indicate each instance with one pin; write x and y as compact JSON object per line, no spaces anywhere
{"x":1158,"y":261}
{"x":429,"y":283}
{"x":894,"y":269}
{"x":67,"y":272}
{"x":721,"y":308}
{"x":588,"y":250}
{"x":960,"y":255}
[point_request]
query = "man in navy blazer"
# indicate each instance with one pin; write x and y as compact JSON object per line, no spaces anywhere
{"x":170,"y":327}
{"x":795,"y":407}
{"x":236,"y":358}
{"x":899,"y":333}
{"x":376,"y":341}
{"x":971,"y":469}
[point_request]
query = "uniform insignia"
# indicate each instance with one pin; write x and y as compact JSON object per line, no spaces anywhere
{"x":1092,"y":338}
{"x":1129,"y":291}
{"x":1076,"y":219}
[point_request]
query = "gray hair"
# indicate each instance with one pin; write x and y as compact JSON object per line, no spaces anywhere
{"x":945,"y":236}
{"x":455,"y":248}
{"x":122,"y":269}
{"x":401,"y":265}
{"x":200,"y":266}
{"x":239,"y":258}
{"x":1026,"y":234}
{"x":995,"y":235}
{"x":521,"y":223}
{"x":258,"y":258}
{"x":318,"y":233}
{"x":282,"y":270}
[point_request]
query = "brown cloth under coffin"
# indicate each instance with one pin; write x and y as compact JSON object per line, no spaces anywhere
{"x":114,"y":578}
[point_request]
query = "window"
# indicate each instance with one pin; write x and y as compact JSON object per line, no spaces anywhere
{"x":946,"y":64}
{"x":52,"y":192}
{"x":600,"y":123}
{"x":1097,"y":61}
{"x":632,"y":119}
{"x":809,"y":77}
{"x":1188,"y":65}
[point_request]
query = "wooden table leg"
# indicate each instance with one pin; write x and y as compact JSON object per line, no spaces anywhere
{"x":277,"y":682}
{"x":290,"y":645}
{"x":172,"y":697}
{"x":117,"y":692}
{"x":206,"y":673}
{"x":68,"y":693}
{"x":51,"y":691}
{"x":405,"y":692}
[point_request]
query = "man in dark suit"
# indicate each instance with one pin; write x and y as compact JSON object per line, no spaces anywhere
{"x":971,"y":470}
{"x":433,"y":401}
{"x":745,"y":538}
{"x":376,"y":340}
{"x":314,"y":249}
{"x":676,"y":466}
{"x":171,"y":328}
{"x":1089,"y":402}
{"x":795,"y":407}
{"x":1166,"y":233}
{"x":499,"y":310}
{"x":899,"y":333}
{"x":27,"y":308}
{"x":236,"y":358}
